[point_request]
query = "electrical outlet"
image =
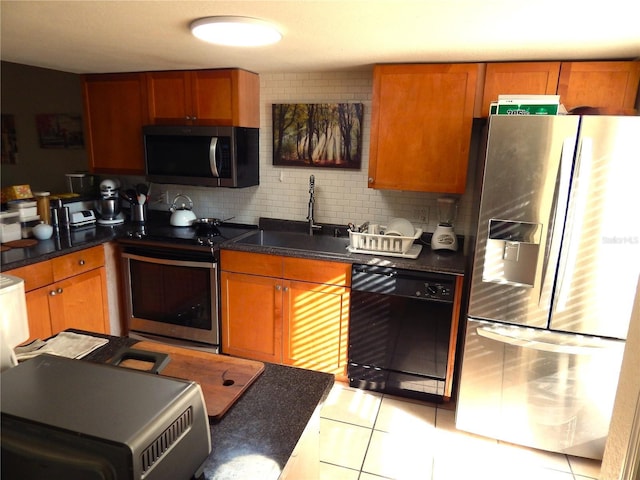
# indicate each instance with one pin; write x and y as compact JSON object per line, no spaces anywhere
{"x":163,"y":198}
{"x":421,"y":214}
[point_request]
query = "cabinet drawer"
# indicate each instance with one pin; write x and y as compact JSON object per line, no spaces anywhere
{"x":317,"y":271}
{"x":77,"y":262}
{"x":35,"y":276}
{"x":251,"y":263}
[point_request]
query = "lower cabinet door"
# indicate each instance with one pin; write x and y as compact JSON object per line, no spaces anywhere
{"x":38,"y":313}
{"x":315,"y":326}
{"x":80,"y":302}
{"x":251,"y":316}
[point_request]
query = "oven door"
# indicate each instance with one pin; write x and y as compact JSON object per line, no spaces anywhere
{"x":172,"y":298}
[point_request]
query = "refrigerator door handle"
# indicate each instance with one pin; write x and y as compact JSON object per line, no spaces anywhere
{"x":575,"y":219}
{"x":544,"y":342}
{"x":557,"y":220}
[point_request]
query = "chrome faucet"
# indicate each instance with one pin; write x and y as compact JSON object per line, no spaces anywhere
{"x":312,"y":201}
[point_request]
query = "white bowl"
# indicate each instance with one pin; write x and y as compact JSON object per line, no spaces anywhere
{"x":401,"y":225}
{"x":42,"y":231}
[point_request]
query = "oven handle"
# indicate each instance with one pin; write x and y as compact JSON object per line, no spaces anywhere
{"x":164,"y":261}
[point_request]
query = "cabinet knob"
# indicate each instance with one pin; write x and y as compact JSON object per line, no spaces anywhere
{"x":278,"y":288}
{"x":81,"y":262}
{"x":55,"y":292}
{"x":286,"y":289}
{"x":370,"y":179}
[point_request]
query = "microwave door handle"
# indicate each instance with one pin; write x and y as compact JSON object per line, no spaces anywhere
{"x":586,"y":347}
{"x":213,"y":165}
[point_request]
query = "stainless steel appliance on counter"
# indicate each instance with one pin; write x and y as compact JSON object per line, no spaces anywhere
{"x":556,"y":263}
{"x":69,"y":419}
{"x":171,"y":281}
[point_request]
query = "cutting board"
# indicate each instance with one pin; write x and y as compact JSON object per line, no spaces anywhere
{"x":223,"y":379}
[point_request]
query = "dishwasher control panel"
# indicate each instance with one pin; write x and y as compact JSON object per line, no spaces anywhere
{"x":435,"y":291}
{"x":404,"y":283}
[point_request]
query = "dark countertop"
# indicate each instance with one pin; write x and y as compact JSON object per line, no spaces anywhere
{"x":70,"y":240}
{"x":61,"y":243}
{"x":428,"y":260}
{"x":256,"y":437}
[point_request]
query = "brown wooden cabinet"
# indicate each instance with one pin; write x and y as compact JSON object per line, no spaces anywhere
{"x":229,"y":97}
{"x":285,"y":310}
{"x":530,"y":78}
{"x":421,"y":126}
{"x":115,"y":109}
{"x":66,"y":292}
{"x":611,"y":87}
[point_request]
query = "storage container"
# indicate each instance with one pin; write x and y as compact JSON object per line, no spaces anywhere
{"x":43,"y":201}
{"x":16,"y":192}
{"x":9,"y":226}
{"x":26,"y":208}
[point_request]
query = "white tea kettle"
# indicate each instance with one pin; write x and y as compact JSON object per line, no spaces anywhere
{"x":182,"y":215}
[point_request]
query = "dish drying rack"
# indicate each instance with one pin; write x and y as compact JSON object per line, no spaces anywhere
{"x":386,"y":245}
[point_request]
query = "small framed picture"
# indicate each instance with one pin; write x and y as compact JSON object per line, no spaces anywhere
{"x":57,"y":130}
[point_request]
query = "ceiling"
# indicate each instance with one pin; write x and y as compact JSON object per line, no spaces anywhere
{"x":319,"y":35}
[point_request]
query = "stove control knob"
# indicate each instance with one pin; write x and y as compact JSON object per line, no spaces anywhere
{"x":432,"y":290}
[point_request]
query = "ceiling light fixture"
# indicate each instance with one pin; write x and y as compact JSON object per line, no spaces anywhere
{"x":235,"y":31}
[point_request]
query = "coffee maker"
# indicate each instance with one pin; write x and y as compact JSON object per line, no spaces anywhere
{"x":444,"y":238}
{"x":109,"y":203}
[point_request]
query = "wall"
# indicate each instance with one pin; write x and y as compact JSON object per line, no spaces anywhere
{"x":341,"y":196}
{"x":26,"y":92}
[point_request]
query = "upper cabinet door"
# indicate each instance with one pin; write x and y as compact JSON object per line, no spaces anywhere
{"x":115,"y":109}
{"x":611,"y":87}
{"x":228,"y":97}
{"x":526,"y":78}
{"x":421,"y":125}
{"x":169,"y":97}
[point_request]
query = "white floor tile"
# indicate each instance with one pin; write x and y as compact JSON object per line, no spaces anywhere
{"x":399,"y":456}
{"x":343,"y":444}
{"x":333,"y":472}
{"x":351,"y":405}
{"x":417,"y":441}
{"x":400,"y":416}
{"x":369,"y":476}
{"x":525,"y":458}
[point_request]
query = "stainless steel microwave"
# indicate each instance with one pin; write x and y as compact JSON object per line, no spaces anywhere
{"x":202,"y":155}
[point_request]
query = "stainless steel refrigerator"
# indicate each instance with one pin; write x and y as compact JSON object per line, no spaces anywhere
{"x":555,"y":267}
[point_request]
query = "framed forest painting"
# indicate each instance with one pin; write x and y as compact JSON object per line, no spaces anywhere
{"x":318,"y":135}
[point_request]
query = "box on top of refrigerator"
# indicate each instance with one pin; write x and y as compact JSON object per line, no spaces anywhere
{"x":526,"y":105}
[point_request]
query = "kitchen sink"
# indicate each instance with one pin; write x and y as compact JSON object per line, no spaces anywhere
{"x":298,"y":241}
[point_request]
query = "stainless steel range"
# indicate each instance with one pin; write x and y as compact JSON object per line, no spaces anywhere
{"x":170,"y":276}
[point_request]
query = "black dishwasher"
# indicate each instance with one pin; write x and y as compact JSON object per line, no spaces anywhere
{"x":399,"y":331}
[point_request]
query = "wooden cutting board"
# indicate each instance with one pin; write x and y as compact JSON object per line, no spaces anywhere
{"x":223,"y":379}
{"x":25,"y":242}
